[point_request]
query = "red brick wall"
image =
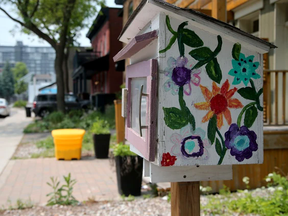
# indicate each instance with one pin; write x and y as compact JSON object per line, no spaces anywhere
{"x":106,"y":42}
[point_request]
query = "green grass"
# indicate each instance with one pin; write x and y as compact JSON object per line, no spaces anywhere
{"x":48,"y":153}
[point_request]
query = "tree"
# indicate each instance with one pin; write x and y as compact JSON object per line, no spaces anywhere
{"x":7,"y":81}
{"x":55,"y":21}
{"x":19,"y":71}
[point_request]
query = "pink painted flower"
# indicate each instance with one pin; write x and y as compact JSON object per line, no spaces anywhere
{"x":168,"y":160}
{"x":180,"y":74}
{"x":190,"y":144}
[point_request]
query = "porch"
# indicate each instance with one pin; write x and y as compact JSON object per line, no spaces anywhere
{"x":275,"y":115}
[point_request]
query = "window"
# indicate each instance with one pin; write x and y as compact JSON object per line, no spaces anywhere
{"x":70,"y":98}
{"x":42,"y":98}
{"x":255,"y":27}
{"x":52,"y":98}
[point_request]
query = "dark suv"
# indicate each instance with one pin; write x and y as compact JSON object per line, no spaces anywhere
{"x":46,"y":103}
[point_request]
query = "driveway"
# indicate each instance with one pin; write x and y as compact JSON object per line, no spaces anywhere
{"x":11,"y":129}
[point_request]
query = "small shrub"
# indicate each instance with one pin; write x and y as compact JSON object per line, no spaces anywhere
{"x":109,"y":115}
{"x":67,"y":123}
{"x":55,"y":117}
{"x":20,"y":104}
{"x":87,"y":143}
{"x":62,"y":195}
{"x":122,"y":150}
{"x":100,"y":126}
{"x":36,"y":127}
{"x":75,"y":113}
{"x":20,"y":204}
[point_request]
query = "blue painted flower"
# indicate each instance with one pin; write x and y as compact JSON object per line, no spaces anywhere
{"x":241,"y":141}
{"x":244,"y":69}
{"x":190,"y":144}
{"x":180,"y":74}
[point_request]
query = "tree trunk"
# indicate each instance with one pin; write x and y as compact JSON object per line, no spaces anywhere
{"x":66,"y":70}
{"x":59,"y":79}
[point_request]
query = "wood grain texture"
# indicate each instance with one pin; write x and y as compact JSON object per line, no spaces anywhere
{"x":199,"y":4}
{"x":219,"y":10}
{"x":185,"y":199}
{"x":135,"y":45}
{"x":185,"y":3}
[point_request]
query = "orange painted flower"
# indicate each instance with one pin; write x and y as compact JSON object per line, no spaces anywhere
{"x":217,"y":102}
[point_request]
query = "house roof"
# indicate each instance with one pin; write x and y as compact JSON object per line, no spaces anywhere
{"x":147,"y":9}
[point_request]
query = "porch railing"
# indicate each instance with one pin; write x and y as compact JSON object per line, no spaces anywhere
{"x":275,"y":97}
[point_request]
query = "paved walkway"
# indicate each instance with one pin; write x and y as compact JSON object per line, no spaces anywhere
{"x":24,"y":179}
{"x":11,"y":134}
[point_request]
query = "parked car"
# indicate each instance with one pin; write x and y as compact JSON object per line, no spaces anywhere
{"x":4,"y":108}
{"x":46,"y":103}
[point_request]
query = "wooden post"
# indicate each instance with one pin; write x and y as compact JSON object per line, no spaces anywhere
{"x":185,"y":198}
{"x":219,"y":10}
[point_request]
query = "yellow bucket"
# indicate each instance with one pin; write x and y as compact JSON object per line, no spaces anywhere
{"x":68,"y":143}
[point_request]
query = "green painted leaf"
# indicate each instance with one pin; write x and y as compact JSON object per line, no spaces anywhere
{"x":248,"y":93}
{"x":190,"y":38}
{"x":201,"y":53}
{"x":190,"y":117}
{"x":180,"y":38}
{"x":218,"y":147}
{"x":169,"y":25}
{"x":175,"y":118}
{"x":236,"y":51}
{"x":214,"y":71}
{"x":171,"y":42}
{"x":250,"y":116}
{"x":212,"y":126}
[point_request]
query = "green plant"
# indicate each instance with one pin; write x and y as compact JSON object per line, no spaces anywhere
{"x":129,"y":198}
{"x":62,"y":195}
{"x":20,"y":204}
{"x":245,"y":202}
{"x":55,"y":117}
{"x":169,"y":197}
{"x":47,"y":143}
{"x":100,"y":127}
{"x":147,"y":196}
{"x":122,"y":150}
{"x":20,"y":103}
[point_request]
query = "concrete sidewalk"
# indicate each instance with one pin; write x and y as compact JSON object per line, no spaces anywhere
{"x":11,"y":132}
{"x":24,"y":179}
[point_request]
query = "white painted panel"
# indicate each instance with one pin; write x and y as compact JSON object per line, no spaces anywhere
{"x":191,"y":173}
{"x":171,"y":140}
{"x":248,"y":8}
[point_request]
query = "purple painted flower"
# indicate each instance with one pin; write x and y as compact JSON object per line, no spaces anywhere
{"x":190,"y":144}
{"x":241,"y":141}
{"x":180,"y":74}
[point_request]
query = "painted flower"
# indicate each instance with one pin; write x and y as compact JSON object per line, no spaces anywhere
{"x":180,"y":74}
{"x":241,"y":141}
{"x":244,"y":69}
{"x":217,"y":102}
{"x":168,"y":160}
{"x":190,"y":143}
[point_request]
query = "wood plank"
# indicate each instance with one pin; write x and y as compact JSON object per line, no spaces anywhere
{"x":189,"y":173}
{"x":219,"y":10}
{"x":185,"y":3}
{"x":185,"y":199}
{"x":204,"y":11}
{"x":268,"y":97}
{"x":171,"y":1}
{"x":135,"y":45}
{"x":284,"y":98}
{"x":235,"y":3}
{"x":199,"y":4}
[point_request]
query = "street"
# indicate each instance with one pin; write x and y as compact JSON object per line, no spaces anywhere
{"x":11,"y":129}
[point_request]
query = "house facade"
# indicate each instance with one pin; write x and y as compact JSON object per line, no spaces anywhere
{"x":98,"y":68}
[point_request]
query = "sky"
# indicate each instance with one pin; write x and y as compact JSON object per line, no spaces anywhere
{"x":9,"y":39}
